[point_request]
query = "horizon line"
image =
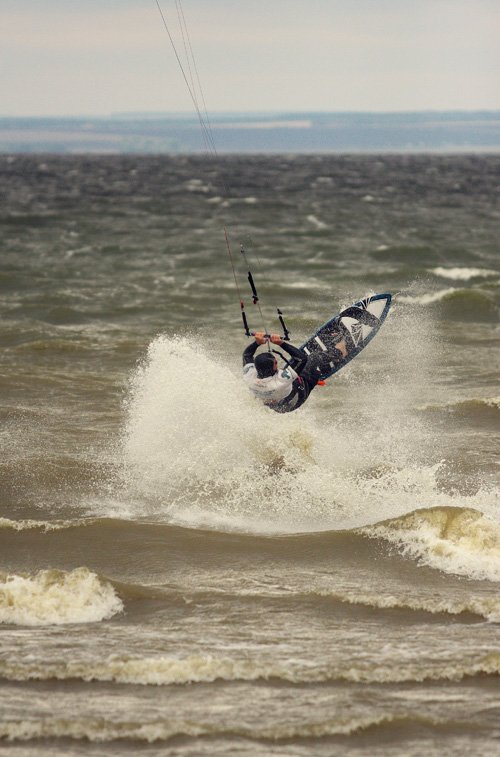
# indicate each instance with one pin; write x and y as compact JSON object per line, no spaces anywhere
{"x":256,"y":112}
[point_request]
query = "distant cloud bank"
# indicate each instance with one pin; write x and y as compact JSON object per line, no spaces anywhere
{"x":432,"y":131}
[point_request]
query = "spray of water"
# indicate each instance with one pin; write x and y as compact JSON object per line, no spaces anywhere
{"x":199,"y":450}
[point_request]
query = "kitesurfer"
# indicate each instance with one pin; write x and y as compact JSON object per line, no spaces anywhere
{"x":284,"y":390}
{"x":287,"y":389}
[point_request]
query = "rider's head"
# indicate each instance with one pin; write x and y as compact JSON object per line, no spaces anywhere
{"x":266,"y":365}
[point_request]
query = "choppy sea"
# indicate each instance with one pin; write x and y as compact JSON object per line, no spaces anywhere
{"x":185,"y":572}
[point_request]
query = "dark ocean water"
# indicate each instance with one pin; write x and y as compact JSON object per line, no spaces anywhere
{"x":182,"y":570}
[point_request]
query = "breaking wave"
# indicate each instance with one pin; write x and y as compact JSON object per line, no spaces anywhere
{"x":483,"y":411}
{"x":29,"y":524}
{"x":454,"y":540}
{"x":484,"y":607}
{"x":462,"y":274}
{"x":56,"y":597}
{"x":97,"y":730}
{"x":231,"y":464}
{"x":392,"y":597}
{"x":428,"y":298}
{"x":459,"y":541}
{"x":199,"y":450}
{"x":459,"y":304}
{"x":165,"y":671}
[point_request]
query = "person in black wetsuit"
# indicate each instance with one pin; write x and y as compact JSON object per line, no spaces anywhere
{"x":288,"y":389}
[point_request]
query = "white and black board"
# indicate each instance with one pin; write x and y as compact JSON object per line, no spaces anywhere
{"x":360,"y":334}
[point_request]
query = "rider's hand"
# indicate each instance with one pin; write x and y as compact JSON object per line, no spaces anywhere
{"x":259,"y":337}
{"x":276,"y":339}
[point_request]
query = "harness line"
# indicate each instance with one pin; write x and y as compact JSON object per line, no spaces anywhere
{"x":208,"y":138}
{"x":200,"y":88}
{"x":242,"y":304}
{"x":255,"y":296}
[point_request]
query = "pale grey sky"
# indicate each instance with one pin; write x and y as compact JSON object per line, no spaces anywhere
{"x":94,"y":57}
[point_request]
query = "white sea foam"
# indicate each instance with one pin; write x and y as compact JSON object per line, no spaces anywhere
{"x":167,"y":671}
{"x":307,"y":285}
{"x":473,"y":402}
{"x":42,"y":525}
{"x":202,"y":448}
{"x":427,"y":299}
{"x":314,"y":221}
{"x":196,"y":185}
{"x":486,"y":607}
{"x":55,"y":597}
{"x":491,"y":401}
{"x":200,"y":451}
{"x":462,"y":274}
{"x":98,"y":730}
{"x":464,"y":542}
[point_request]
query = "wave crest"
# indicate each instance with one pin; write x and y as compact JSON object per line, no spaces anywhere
{"x":475,"y":305}
{"x":29,"y":524}
{"x":167,"y":671}
{"x":56,"y":597}
{"x":462,"y":274}
{"x":455,"y":540}
{"x":96,"y":730}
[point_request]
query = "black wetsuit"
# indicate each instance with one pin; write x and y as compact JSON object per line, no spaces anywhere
{"x":294,"y":352}
{"x":310,"y":367}
{"x":306,"y":366}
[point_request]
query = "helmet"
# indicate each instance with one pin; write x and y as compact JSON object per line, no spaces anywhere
{"x":264,"y":364}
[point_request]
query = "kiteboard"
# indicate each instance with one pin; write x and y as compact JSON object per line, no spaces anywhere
{"x":354,"y":327}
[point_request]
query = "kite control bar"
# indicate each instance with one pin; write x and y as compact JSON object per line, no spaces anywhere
{"x":286,"y":333}
{"x":266,"y":336}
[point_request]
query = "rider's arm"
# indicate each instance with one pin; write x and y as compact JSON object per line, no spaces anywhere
{"x":295,"y":352}
{"x":249,"y":353}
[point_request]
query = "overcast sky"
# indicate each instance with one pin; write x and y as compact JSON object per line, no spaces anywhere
{"x":96,"y":57}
